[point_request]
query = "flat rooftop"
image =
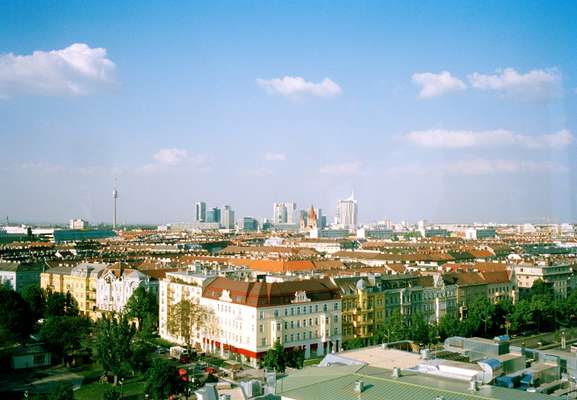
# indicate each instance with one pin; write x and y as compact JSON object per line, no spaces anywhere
{"x":378,"y":357}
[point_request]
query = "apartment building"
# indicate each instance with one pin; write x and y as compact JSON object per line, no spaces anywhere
{"x":368,"y":301}
{"x":80,"y":281}
{"x":248,"y":317}
{"x":558,"y":276}
{"x":115,"y":285}
{"x":17,"y":276}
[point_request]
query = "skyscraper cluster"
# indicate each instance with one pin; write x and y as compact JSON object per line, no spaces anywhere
{"x":214,"y":215}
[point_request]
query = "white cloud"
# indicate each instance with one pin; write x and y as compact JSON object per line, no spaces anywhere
{"x":75,"y":70}
{"x":478,"y":166}
{"x":166,"y":159}
{"x":442,"y":138}
{"x":269,"y":156}
{"x":296,"y":86}
{"x":535,"y":84}
{"x":171,"y":156}
{"x":344,"y":169}
{"x":433,"y":85}
{"x":482,"y":166}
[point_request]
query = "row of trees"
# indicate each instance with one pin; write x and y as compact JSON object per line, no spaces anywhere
{"x":538,"y":310}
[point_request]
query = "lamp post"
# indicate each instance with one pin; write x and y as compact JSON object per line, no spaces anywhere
{"x":121,"y":385}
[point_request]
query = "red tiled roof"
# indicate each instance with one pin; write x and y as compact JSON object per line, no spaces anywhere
{"x":263,"y":294}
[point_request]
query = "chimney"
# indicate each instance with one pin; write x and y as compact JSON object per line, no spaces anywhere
{"x":359,"y":386}
{"x":396,"y":372}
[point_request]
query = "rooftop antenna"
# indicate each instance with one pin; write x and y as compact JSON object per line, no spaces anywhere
{"x":114,"y":198}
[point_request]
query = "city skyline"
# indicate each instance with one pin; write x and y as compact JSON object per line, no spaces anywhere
{"x":391,"y":101}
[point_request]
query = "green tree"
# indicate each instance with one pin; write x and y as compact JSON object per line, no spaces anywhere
{"x":113,"y":343}
{"x":64,"y":334}
{"x":61,"y":304}
{"x":275,"y":358}
{"x":540,"y":288}
{"x":355,"y":343}
{"x":185,"y":318}
{"x":141,"y":355}
{"x":571,"y":305}
{"x":162,"y":380}
{"x":395,"y":328}
{"x":449,"y":325}
{"x":35,"y":296}
{"x":295,"y":358}
{"x":419,"y":329}
{"x":522,"y":316}
{"x":142,"y":304}
{"x":479,"y":318}
{"x":15,"y":321}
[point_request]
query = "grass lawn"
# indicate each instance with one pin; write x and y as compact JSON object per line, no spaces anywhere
{"x":132,"y":389}
{"x":92,"y":389}
{"x":312,"y":361}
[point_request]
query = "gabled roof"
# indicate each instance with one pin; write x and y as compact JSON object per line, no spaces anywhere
{"x":264,"y":294}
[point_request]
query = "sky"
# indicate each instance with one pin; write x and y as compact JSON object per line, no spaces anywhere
{"x":445,"y":111}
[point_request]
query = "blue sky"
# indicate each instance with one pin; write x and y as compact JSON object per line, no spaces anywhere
{"x":444,"y":111}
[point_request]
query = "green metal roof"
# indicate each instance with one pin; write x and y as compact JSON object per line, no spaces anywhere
{"x":337,"y":383}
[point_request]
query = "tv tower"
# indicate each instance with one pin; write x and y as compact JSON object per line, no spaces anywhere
{"x":114,"y":197}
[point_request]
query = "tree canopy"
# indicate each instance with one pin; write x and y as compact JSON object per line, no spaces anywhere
{"x":162,"y":380}
{"x":61,"y":304}
{"x":113,"y":342}
{"x":15,"y":321}
{"x":63,"y":334}
{"x":142,"y":305}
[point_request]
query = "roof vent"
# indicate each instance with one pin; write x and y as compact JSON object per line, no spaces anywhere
{"x":396,"y":372}
{"x":359,"y":386}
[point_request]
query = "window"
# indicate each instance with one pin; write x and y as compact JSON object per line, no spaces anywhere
{"x":325,"y":307}
{"x":298,"y":310}
{"x":292,"y":324}
{"x":261,"y":315}
{"x":286,"y":312}
{"x":260,"y":328}
{"x":336,"y":307}
{"x":286,"y":325}
{"x":292,"y":337}
{"x":276,"y":313}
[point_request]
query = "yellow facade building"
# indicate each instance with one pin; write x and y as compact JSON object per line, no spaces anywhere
{"x":80,"y":281}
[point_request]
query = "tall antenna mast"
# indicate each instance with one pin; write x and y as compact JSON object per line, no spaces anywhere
{"x":114,"y":197}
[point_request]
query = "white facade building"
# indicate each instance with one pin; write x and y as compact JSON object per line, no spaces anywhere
{"x":227,"y":220}
{"x":115,"y":286}
{"x":284,"y":213}
{"x":347,"y":213}
{"x":248,"y":317}
{"x":78,"y":224}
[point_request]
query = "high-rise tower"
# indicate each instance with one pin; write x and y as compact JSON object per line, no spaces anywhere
{"x":347,"y":211}
{"x":114,"y":198}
